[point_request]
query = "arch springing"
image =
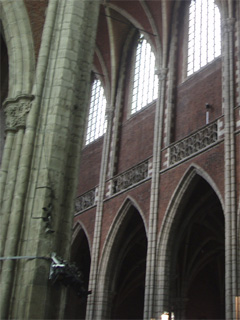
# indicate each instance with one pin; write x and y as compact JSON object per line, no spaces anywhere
{"x":204,"y":34}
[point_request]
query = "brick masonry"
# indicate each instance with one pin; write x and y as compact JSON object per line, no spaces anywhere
{"x":50,"y":58}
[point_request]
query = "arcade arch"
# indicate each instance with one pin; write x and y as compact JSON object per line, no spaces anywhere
{"x":81,"y":256}
{"x":123,"y":267}
{"x":191,"y":269}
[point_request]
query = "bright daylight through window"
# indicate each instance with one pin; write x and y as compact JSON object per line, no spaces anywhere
{"x":145,"y":83}
{"x":204,"y":34}
{"x":96,"y":118}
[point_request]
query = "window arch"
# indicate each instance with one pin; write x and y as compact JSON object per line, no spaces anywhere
{"x":204,"y":34}
{"x":96,"y":125}
{"x":145,"y":83}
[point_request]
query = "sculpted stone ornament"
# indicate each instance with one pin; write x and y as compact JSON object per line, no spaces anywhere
{"x":16,"y":110}
{"x":194,"y":143}
{"x":228,"y":25}
{"x":130,"y":177}
{"x":109,"y":113}
{"x":161,"y":73}
{"x":85,"y":201}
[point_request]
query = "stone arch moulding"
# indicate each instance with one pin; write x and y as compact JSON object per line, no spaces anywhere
{"x":163,"y":240}
{"x":137,"y":25}
{"x":106,"y":253}
{"x":122,"y":212}
{"x":223,"y":7}
{"x":78,"y":226}
{"x":19,"y":42}
{"x":105,"y":73}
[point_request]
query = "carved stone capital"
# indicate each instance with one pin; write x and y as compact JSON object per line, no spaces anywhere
{"x":16,"y":110}
{"x":161,"y":73}
{"x":109,"y":113}
{"x":228,"y":25}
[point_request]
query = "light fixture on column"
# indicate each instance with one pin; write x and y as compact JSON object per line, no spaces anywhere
{"x":165,"y":316}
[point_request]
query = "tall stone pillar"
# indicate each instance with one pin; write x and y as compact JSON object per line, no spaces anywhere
{"x":230,"y":169}
{"x":16,"y":110}
{"x":154,"y":199}
{"x":94,"y":306}
{"x":49,"y":163}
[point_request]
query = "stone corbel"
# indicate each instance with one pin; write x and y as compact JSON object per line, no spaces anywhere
{"x":16,"y":110}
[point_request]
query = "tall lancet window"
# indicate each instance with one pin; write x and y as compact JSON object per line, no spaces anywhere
{"x":145,"y":83}
{"x":204,"y":34}
{"x":96,"y":125}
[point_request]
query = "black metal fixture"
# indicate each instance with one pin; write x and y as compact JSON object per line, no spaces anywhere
{"x":67,"y":274}
{"x":48,"y":218}
{"x":208,"y":107}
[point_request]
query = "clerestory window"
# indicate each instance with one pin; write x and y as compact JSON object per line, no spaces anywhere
{"x":96,"y":125}
{"x":204,"y":34}
{"x":145,"y":82}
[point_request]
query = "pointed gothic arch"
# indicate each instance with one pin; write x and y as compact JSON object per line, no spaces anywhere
{"x":19,"y":41}
{"x":77,"y":228}
{"x":124,"y":249}
{"x":194,"y":218}
{"x":75,"y":307}
{"x":17,"y":60}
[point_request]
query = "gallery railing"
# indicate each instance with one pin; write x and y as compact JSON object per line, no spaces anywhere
{"x":193,"y":143}
{"x":85,"y":201}
{"x":130,"y":177}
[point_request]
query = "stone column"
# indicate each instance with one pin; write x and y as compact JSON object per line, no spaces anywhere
{"x":49,"y":165}
{"x":154,"y":199}
{"x":94,"y":308}
{"x":16,"y":111}
{"x":238,"y":257}
{"x":230,"y":169}
{"x":10,"y":134}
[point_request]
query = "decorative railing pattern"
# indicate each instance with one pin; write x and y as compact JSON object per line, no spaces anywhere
{"x":194,"y":143}
{"x":130,"y":177}
{"x":85,"y":201}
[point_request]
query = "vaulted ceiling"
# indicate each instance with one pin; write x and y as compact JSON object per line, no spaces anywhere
{"x":119,"y":18}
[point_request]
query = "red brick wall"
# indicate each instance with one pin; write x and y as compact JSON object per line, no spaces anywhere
{"x":90,"y":166}
{"x":211,"y":161}
{"x":87,"y":220}
{"x":203,"y":87}
{"x":136,"y":139}
{"x":141,"y":195}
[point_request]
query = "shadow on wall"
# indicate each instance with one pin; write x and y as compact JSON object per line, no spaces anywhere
{"x":3,"y":90}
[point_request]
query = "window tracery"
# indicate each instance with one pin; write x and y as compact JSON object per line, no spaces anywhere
{"x":145,"y":83}
{"x":96,"y":125}
{"x":204,"y":34}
